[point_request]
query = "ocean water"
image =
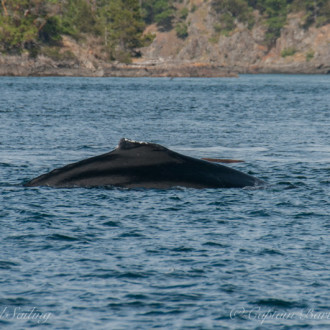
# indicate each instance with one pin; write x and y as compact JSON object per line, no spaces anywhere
{"x":167,"y":259}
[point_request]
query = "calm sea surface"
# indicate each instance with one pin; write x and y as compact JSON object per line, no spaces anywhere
{"x":167,"y":259}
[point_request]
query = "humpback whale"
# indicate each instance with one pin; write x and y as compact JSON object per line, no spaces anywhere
{"x":144,"y":165}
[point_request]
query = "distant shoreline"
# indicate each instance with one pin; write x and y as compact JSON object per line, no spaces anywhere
{"x":43,"y":67}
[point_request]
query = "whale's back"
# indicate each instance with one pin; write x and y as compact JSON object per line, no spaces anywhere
{"x":139,"y":164}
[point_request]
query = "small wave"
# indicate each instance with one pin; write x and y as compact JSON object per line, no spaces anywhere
{"x":61,"y":237}
{"x":5,"y":165}
{"x":133,"y":275}
{"x":159,"y":312}
{"x":229,"y":288}
{"x":259,"y":213}
{"x":215,"y":244}
{"x":22,"y":237}
{"x":4,"y":264}
{"x":280,"y":303}
{"x":182,"y":249}
{"x":15,"y":301}
{"x":288,"y":185}
{"x":135,"y":304}
{"x":137,"y":296}
{"x":179,"y":297}
{"x":308,"y":215}
{"x":270,"y":251}
{"x":111,"y":224}
{"x":131,"y":234}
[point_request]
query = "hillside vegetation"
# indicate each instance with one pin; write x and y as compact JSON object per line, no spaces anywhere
{"x":274,"y":13}
{"x":37,"y":26}
{"x":27,"y":25}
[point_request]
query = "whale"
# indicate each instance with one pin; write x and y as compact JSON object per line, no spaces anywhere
{"x":134,"y":164}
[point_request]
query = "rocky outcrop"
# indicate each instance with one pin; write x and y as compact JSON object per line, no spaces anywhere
{"x":297,"y":50}
{"x":169,"y":69}
{"x":44,"y":66}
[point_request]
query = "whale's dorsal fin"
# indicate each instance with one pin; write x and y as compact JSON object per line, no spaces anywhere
{"x":126,"y":144}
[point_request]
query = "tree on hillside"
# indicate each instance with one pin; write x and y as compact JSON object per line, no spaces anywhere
{"x":122,"y":27}
{"x":78,"y":16}
{"x":160,"y":12}
{"x":317,"y":11}
{"x":29,"y":24}
{"x":229,"y":11}
{"x":24,"y":22}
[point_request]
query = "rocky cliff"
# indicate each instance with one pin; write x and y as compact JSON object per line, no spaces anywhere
{"x":297,"y":50}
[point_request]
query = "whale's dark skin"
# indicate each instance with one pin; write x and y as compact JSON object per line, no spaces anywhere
{"x":144,"y":165}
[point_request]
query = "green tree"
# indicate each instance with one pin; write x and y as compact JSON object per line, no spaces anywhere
{"x":23,"y":23}
{"x":78,"y":16}
{"x":317,"y":11}
{"x":122,"y":27}
{"x":275,"y":13}
{"x":160,"y":12}
{"x":181,"y":30}
{"x":230,"y":10}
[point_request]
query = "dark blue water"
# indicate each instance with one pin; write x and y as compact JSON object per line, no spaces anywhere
{"x":167,"y":259}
